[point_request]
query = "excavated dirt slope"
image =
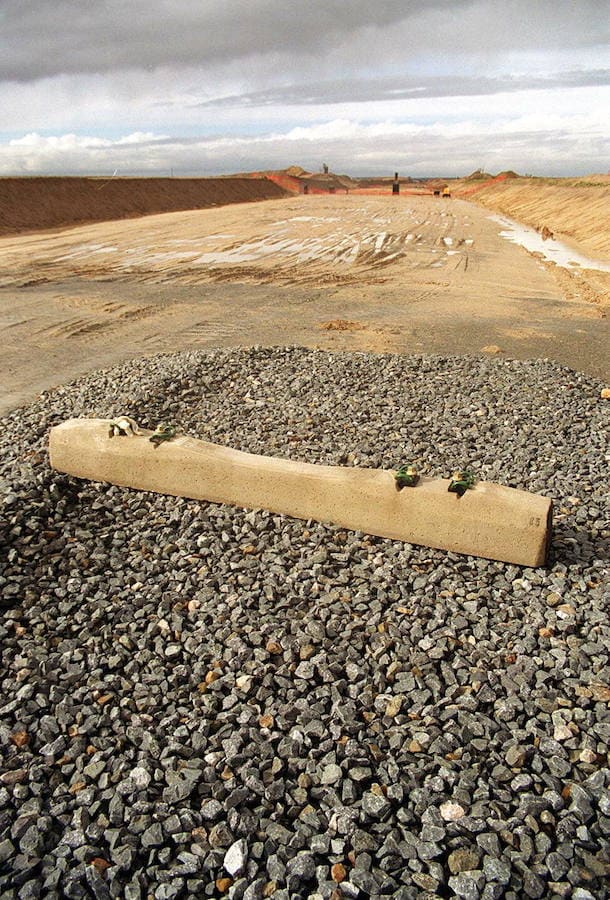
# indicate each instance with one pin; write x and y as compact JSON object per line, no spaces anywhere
{"x":576,"y":210}
{"x":30,"y":204}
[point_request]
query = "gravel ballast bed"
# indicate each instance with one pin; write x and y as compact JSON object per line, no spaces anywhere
{"x":199,"y":700}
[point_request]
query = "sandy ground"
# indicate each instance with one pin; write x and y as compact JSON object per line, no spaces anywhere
{"x":407,"y":274}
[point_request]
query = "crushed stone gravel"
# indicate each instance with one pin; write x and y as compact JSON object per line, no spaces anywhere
{"x":201,"y":700}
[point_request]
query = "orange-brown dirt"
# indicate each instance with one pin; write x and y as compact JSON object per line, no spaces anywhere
{"x":372,"y":273}
{"x":33,"y":203}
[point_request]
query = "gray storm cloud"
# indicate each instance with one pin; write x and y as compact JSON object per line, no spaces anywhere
{"x":40,"y":39}
{"x":406,"y":88}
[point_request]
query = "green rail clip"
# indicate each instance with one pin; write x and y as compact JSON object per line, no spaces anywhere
{"x":406,"y":476}
{"x":163,"y":433}
{"x":461,"y":482}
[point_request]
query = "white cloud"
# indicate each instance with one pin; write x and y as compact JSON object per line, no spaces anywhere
{"x":451,"y":148}
{"x":68,"y":36}
{"x":141,"y":137}
{"x":56,"y":154}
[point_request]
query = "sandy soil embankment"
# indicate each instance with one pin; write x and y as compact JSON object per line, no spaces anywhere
{"x":577,"y":211}
{"x":31,"y":204}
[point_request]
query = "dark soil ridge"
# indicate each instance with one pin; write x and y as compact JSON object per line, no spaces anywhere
{"x":35,"y":203}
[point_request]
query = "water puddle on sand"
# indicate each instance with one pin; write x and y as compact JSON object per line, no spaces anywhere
{"x":550,"y":249}
{"x":164,"y":257}
{"x":87,"y":250}
{"x":204,"y":237}
{"x":379,"y":241}
{"x":311,"y":219}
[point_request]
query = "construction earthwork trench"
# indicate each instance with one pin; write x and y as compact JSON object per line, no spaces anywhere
{"x":395,"y":274}
{"x":201,"y":700}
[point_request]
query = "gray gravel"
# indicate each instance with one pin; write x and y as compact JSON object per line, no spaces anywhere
{"x":197,"y":700}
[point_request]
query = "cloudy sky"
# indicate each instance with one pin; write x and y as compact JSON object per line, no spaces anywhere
{"x":203,"y":87}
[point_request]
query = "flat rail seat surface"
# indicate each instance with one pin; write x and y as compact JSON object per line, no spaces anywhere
{"x":489,"y":520}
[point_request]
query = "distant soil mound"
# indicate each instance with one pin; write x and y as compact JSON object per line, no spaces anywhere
{"x":295,"y":171}
{"x":296,"y":180}
{"x":478,"y":175}
{"x":35,"y":203}
{"x":292,"y":184}
{"x":326,"y":182}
